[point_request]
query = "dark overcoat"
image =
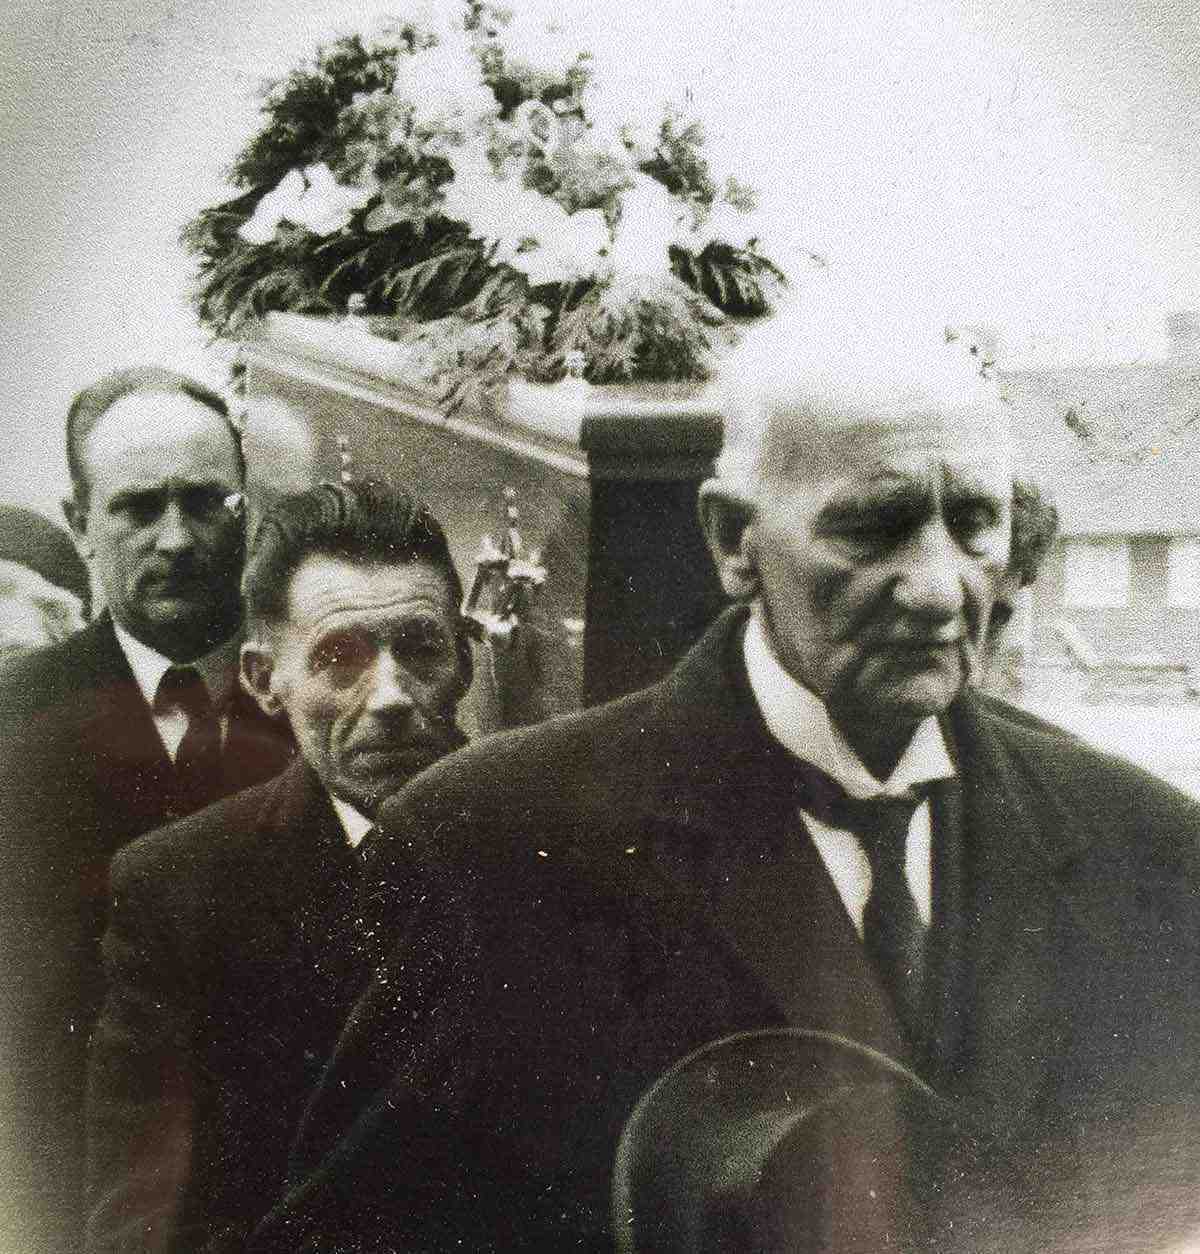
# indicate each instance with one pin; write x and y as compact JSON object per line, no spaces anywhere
{"x":82,"y":772}
{"x":603,"y":893}
{"x":232,"y":961}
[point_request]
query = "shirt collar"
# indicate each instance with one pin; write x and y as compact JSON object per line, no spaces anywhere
{"x":218,"y":669}
{"x":798,"y":719}
{"x":355,"y":824}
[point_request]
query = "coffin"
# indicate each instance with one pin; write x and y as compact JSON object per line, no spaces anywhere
{"x":605,"y":482}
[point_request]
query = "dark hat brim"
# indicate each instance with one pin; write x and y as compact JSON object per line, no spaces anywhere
{"x":785,"y":1139}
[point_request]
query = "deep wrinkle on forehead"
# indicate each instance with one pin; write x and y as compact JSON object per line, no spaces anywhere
{"x":803,"y":447}
{"x":136,"y":429}
{"x":929,"y":485}
{"x":326,"y":593}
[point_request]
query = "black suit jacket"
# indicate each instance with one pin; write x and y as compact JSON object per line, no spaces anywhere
{"x":82,"y":772}
{"x":231,"y":961}
{"x":608,"y":891}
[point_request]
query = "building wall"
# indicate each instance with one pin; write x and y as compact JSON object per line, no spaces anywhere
{"x":1146,"y":624}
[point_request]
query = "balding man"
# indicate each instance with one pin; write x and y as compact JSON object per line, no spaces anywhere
{"x":814,"y":822}
{"x":131,"y":722}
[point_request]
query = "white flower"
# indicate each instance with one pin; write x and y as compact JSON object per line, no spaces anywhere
{"x":313,"y":199}
{"x":528,"y":231}
{"x":273,"y":208}
{"x":469,"y":196}
{"x":613,"y":127}
{"x":584,"y":236}
{"x":567,"y":247}
{"x":585,"y":172}
{"x":651,"y":221}
{"x":445,"y":83}
{"x":326,"y":205}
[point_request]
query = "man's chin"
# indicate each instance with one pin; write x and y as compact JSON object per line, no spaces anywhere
{"x":919,"y":698}
{"x":383,"y":772}
{"x":911,"y":694}
{"x":182,"y":627}
{"x":169,"y":610}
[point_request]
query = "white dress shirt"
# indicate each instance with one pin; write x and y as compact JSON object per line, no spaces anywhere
{"x":218,"y":669}
{"x":798,"y":719}
{"x":354,"y":823}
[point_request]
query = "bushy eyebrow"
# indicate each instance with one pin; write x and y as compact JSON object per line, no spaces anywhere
{"x":961,"y":488}
{"x":418,"y":622}
{"x":135,"y":496}
{"x":883,"y":498}
{"x":903,"y":502}
{"x":159,"y":491}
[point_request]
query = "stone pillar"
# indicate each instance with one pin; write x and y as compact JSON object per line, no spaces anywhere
{"x":651,"y":586}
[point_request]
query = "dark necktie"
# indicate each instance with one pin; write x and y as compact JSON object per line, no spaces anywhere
{"x":198,"y":757}
{"x":892,"y":930}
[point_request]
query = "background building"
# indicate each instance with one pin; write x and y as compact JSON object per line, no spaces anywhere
{"x":1119,"y":445}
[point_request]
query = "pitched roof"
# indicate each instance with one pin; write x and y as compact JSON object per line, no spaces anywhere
{"x":1118,"y":445}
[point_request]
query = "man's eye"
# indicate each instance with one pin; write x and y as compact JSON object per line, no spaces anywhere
{"x":202,"y":502}
{"x":878,"y":528}
{"x":420,"y":644}
{"x":345,"y":656}
{"x":971,"y":520}
{"x":138,"y":508}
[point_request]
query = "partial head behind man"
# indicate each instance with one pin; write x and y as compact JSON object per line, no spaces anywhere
{"x":865,"y":504}
{"x":353,"y":604}
{"x":156,"y":471}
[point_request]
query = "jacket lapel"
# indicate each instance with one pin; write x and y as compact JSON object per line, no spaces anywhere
{"x":403,"y":1041}
{"x":119,"y":744}
{"x":297,"y":829}
{"x":1017,"y":844}
{"x":729,"y":837}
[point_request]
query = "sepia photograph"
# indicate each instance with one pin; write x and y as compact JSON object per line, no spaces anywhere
{"x":600,"y":627}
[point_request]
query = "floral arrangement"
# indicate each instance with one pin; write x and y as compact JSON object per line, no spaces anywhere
{"x":473,"y":192}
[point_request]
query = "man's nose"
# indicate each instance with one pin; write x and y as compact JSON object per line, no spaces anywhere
{"x":174,"y":534}
{"x":930,"y":583}
{"x":390,"y":691}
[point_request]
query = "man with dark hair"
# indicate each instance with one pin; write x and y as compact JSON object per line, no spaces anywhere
{"x":131,"y":722}
{"x":240,"y":937}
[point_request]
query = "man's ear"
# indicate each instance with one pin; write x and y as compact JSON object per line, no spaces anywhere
{"x":76,"y":517}
{"x":727,"y":517}
{"x":258,"y":666}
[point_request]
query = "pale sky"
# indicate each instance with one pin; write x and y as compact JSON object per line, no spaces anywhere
{"x":1033,"y":165}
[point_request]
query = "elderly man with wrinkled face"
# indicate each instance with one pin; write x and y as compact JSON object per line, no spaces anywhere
{"x":814,"y":824}
{"x":872,"y":538}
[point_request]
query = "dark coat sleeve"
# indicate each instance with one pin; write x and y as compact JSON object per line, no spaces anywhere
{"x":52,"y":895}
{"x":140,"y":1080}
